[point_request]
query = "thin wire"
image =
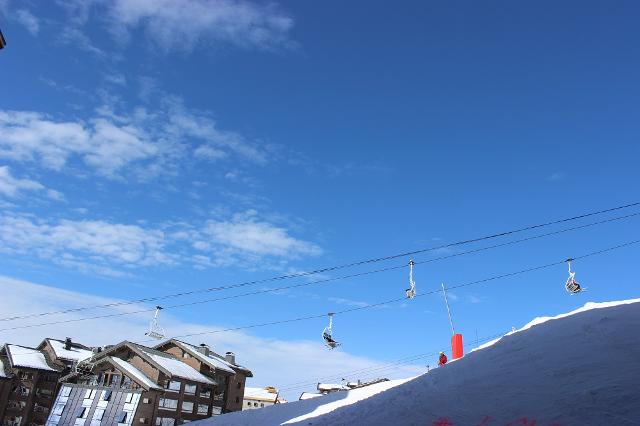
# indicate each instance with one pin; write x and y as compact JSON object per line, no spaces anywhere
{"x":322,"y":270}
{"x":386,"y":366}
{"x":326,"y":280}
{"x":484,"y":280}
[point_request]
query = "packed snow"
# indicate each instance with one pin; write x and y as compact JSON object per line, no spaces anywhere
{"x":27,"y":358}
{"x":134,"y":373}
{"x":73,"y":354}
{"x":580,"y":368}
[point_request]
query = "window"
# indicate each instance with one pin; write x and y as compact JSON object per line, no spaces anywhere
{"x":216,"y":410}
{"x":165,"y":421}
{"x":98,"y":414}
{"x":58,"y":409}
{"x":189,"y":389}
{"x":261,"y":404}
{"x":205,"y":392}
{"x":187,"y":407}
{"x":81,"y":412}
{"x":173,"y":385}
{"x":203,"y":409}
{"x":255,"y":404}
{"x":168,"y":404}
{"x":145,"y":400}
{"x":128,"y":398}
{"x":25,"y":375}
{"x":248,"y":404}
{"x":239,"y":385}
{"x":126,"y":382}
{"x":122,"y":417}
{"x":90,"y":393}
{"x":114,"y":380}
{"x":106,"y":395}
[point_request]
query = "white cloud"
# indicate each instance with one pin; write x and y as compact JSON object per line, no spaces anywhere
{"x":105,"y":248}
{"x":183,"y":24}
{"x":89,"y":242}
{"x":144,"y":142}
{"x":28,"y":20}
{"x":245,"y":234}
{"x":31,"y":136}
{"x":296,"y":360}
{"x":13,"y":187}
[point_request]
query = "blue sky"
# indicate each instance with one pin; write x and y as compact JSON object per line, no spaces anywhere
{"x":148,"y":148}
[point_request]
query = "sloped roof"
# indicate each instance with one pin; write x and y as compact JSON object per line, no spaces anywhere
{"x":211,"y":360}
{"x":25,"y":357}
{"x":76,"y":353}
{"x":135,"y":374}
{"x":174,"y":366}
{"x":214,"y":360}
{"x":260,"y":394}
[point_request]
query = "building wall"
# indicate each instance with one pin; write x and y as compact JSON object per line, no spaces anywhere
{"x":253,"y":404}
{"x":96,"y":410}
{"x":34,"y":406}
{"x":235,"y":392}
{"x":5,"y":387}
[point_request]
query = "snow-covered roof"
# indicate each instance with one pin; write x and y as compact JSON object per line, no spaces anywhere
{"x":133,"y":372}
{"x":74,"y":354}
{"x":21,"y":356}
{"x":211,"y":360}
{"x":176,"y":367}
{"x":260,"y":394}
{"x":331,"y":387}
{"x":309,"y":395}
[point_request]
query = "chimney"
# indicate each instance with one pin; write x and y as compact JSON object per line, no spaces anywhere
{"x":230,"y":357}
{"x":203,"y":349}
{"x":67,"y":343}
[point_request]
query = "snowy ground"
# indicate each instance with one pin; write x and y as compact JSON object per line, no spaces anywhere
{"x":580,"y":368}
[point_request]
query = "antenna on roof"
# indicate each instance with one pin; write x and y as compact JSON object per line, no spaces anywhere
{"x":155,"y":331}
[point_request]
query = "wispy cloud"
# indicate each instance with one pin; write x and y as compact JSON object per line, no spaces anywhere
{"x":28,"y":20}
{"x":115,"y":248}
{"x":13,"y":187}
{"x":555,"y":176}
{"x":69,"y":242}
{"x":142,"y":141}
{"x":348,"y":302}
{"x":183,"y":24}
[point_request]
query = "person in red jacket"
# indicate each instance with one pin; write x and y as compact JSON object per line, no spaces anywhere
{"x":442,"y":360}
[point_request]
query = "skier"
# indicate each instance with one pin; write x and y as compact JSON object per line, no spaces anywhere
{"x":329,"y":340}
{"x":442,"y":360}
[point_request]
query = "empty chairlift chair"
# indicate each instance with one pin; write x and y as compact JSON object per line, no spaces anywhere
{"x":155,"y":331}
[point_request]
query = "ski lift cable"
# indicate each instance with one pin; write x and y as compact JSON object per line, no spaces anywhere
{"x":326,"y":280}
{"x":331,"y":268}
{"x":310,"y":283}
{"x":373,"y":305}
{"x":385,"y":366}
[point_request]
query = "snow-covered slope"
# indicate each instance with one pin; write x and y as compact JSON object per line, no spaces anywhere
{"x":580,"y":368}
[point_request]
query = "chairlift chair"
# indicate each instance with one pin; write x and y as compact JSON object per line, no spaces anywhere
{"x":572,"y":286}
{"x":327,"y":334}
{"x":155,"y":331}
{"x":411,"y":291}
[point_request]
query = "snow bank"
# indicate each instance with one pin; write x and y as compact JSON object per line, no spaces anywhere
{"x":580,"y":368}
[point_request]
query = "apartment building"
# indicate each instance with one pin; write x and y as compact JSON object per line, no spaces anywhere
{"x":171,"y":384}
{"x":28,"y":384}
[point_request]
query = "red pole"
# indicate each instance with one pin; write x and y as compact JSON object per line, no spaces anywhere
{"x":457,"y":349}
